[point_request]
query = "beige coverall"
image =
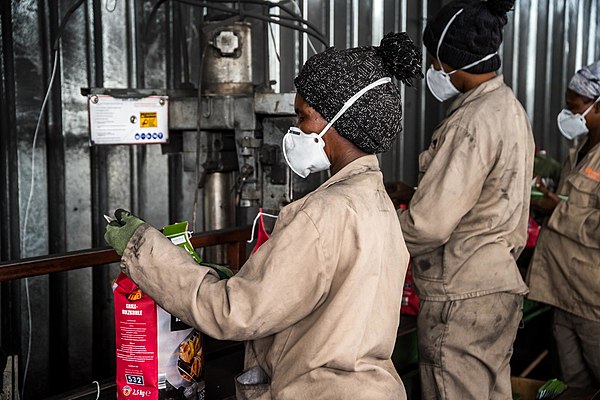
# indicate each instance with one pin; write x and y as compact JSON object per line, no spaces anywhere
{"x":565,"y":269}
{"x":465,"y":227}
{"x":319,"y":302}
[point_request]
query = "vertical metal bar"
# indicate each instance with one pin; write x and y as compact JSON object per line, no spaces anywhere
{"x":349,"y":27}
{"x":175,"y":40}
{"x":580,"y":28}
{"x":592,"y":33}
{"x":10,"y":292}
{"x":597,"y":48}
{"x":422,"y":88}
{"x":377,"y":13}
{"x":289,"y":58}
{"x":274,"y":43}
{"x":58,"y":286}
{"x":547,"y":110}
{"x":516,"y":48}
{"x":132,"y":82}
{"x":132,"y":40}
{"x":304,"y":35}
{"x":101,"y":356}
{"x":399,"y":159}
{"x":354,"y":23}
{"x":331,"y":22}
{"x":561,"y":145}
{"x":170,"y":70}
{"x":297,"y":49}
{"x":9,"y":183}
{"x":266,"y":48}
{"x":566,"y":47}
{"x":531,"y":56}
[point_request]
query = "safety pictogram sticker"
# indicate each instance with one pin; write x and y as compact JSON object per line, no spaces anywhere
{"x":148,"y":120}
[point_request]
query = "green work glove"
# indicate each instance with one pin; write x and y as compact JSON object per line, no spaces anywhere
{"x":223,"y":271}
{"x":121,"y":229}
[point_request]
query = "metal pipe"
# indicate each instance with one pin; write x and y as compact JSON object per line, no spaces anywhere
{"x":219,"y":208}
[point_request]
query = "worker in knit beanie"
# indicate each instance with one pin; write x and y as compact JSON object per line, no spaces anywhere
{"x":467,"y":220}
{"x":328,"y":79}
{"x":318,"y":303}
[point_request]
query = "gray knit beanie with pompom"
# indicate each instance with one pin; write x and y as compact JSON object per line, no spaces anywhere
{"x":330,"y":78}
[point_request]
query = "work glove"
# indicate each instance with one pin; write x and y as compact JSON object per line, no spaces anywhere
{"x":223,"y":271}
{"x":121,"y":229}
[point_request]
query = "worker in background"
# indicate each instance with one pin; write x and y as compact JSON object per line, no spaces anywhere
{"x":319,"y":302}
{"x":466,"y":223}
{"x":565,"y":270}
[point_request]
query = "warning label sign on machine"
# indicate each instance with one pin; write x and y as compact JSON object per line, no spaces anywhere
{"x":118,"y":120}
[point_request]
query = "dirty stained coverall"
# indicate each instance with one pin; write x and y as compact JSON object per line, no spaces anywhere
{"x":464,"y":228}
{"x":319,"y":302}
{"x":565,"y":269}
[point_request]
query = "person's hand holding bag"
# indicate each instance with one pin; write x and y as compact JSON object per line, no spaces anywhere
{"x":121,"y":229}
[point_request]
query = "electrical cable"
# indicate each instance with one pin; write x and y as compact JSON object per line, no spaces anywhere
{"x":64,"y":21}
{"x":97,"y":389}
{"x":27,"y":207}
{"x":297,"y":16}
{"x":310,"y":29}
{"x":274,"y":42}
{"x":151,"y":17}
{"x":316,"y":35}
{"x":294,"y":19}
{"x":300,"y":13}
{"x":198,"y":177}
{"x":183,"y":48}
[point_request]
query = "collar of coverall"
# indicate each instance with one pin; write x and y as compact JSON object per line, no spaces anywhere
{"x":476,"y":93}
{"x":358,"y":166}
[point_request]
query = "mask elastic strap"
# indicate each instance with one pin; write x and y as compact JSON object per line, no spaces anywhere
{"x":437,"y":53}
{"x":474,"y":63}
{"x":352,"y":100}
{"x":590,"y":108}
{"x":254,"y":223}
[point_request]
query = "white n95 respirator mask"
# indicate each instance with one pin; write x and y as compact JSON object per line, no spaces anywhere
{"x":305,"y":152}
{"x":438,"y":81}
{"x":572,"y":125}
{"x":440,"y":85}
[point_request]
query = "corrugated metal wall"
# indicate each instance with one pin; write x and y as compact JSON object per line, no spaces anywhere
{"x":545,"y":42}
{"x":121,"y":43}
